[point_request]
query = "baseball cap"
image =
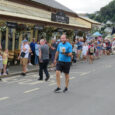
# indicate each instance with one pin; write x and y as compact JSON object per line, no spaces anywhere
{"x":25,"y":40}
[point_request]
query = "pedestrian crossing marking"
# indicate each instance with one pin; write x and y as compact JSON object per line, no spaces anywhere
{"x":31,"y":79}
{"x":52,"y":84}
{"x":4,"y":98}
{"x":85,"y":73}
{"x":52,"y":76}
{"x":108,"y":66}
{"x":52,"y":81}
{"x":72,"y":78}
{"x":36,"y":82}
{"x":26,"y":81}
{"x":32,"y":90}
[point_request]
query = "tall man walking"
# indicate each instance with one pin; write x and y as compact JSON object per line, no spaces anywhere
{"x":43,"y":60}
{"x":63,"y":54}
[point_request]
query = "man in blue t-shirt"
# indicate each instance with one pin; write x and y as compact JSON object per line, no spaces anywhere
{"x":63,"y":54}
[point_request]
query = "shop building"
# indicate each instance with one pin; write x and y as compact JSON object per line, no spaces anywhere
{"x":35,"y":18}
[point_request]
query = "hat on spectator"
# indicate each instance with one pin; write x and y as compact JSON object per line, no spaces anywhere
{"x":25,"y":40}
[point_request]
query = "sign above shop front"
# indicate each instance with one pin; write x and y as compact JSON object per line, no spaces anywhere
{"x":11,"y":24}
{"x":60,"y":17}
{"x":60,"y":30}
{"x":37,"y":27}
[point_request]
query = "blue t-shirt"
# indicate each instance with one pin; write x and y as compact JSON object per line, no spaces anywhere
{"x":79,"y":44}
{"x":68,"y":49}
{"x":32,"y":46}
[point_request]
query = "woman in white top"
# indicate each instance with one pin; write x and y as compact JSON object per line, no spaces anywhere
{"x":85,"y":51}
{"x":25,"y":48}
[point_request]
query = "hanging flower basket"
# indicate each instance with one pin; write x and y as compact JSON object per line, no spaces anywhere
{"x":2,"y":29}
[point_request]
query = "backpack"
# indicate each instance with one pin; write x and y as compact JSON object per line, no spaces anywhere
{"x":91,"y":49}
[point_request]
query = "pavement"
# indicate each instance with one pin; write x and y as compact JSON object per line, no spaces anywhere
{"x":91,"y":92}
{"x":17,"y":70}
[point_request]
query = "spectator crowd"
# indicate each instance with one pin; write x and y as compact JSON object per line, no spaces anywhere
{"x":30,"y":54}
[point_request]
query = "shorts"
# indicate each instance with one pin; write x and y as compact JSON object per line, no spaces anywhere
{"x":108,"y":48}
{"x":24,"y":61}
{"x":84,"y":53}
{"x":63,"y":67}
{"x":91,"y":53}
{"x":5,"y":62}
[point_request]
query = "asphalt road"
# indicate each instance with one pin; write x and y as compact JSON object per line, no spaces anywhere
{"x":91,"y":92}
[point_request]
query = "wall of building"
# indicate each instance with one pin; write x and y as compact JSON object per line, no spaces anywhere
{"x":86,"y":23}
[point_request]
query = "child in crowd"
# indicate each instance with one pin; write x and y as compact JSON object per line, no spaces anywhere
{"x":5,"y":60}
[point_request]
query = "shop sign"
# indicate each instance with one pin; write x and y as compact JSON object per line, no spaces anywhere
{"x":11,"y":24}
{"x":38,"y":27}
{"x":60,"y":17}
{"x":60,"y":30}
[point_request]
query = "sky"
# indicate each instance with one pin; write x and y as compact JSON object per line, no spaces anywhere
{"x":84,"y":6}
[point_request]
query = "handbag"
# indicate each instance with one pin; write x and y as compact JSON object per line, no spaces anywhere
{"x":23,"y":54}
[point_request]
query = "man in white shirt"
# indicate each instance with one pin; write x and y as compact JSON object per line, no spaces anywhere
{"x":24,"y":54}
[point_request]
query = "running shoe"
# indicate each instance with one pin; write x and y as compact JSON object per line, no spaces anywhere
{"x":57,"y":90}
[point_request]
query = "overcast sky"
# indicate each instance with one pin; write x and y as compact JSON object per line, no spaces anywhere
{"x":84,"y":6}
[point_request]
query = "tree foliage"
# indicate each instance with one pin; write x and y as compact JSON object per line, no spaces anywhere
{"x":106,"y":13}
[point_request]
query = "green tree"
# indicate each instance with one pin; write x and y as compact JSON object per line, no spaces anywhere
{"x":106,"y":13}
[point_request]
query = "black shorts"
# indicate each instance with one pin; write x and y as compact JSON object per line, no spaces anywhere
{"x":91,"y":53}
{"x":63,"y":67}
{"x":108,"y":48}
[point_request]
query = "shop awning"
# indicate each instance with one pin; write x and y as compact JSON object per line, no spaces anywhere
{"x":96,"y":34}
{"x":26,"y":12}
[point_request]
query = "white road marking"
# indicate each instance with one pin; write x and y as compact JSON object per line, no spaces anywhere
{"x":29,"y":91}
{"x":36,"y":82}
{"x":52,"y":84}
{"x":94,"y":70}
{"x":25,"y":82}
{"x":4,"y":98}
{"x":52,"y":76}
{"x":84,"y":73}
{"x":52,"y":81}
{"x":72,"y":78}
{"x":108,"y":66}
{"x":75,"y":72}
{"x":61,"y":76}
{"x":4,"y":80}
{"x":14,"y":80}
